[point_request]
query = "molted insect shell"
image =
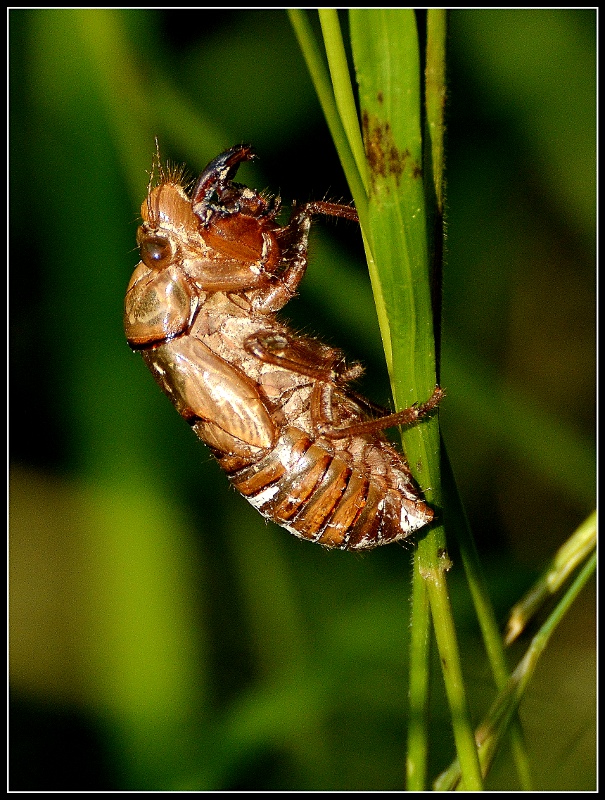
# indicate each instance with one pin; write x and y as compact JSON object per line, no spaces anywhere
{"x":274,"y":407}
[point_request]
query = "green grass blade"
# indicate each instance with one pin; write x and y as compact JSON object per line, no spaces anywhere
{"x":492,"y":730}
{"x":386,"y":55}
{"x":435,"y":94}
{"x":575,"y":550}
{"x":323,"y":86}
{"x":343,"y":90}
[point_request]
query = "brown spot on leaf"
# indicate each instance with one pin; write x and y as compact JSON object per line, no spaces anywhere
{"x":384,"y":157}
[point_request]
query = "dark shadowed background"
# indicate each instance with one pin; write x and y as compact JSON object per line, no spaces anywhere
{"x":163,"y":636}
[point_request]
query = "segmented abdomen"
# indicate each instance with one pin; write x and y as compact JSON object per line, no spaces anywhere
{"x":322,"y":496}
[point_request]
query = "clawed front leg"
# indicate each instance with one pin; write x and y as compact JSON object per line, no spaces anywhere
{"x":294,"y":238}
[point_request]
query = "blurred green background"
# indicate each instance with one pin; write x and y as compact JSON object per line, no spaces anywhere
{"x":162,"y":635}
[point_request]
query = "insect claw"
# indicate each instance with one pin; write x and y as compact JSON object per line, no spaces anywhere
{"x":220,"y":171}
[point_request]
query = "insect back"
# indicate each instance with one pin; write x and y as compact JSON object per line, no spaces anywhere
{"x":276,"y":408}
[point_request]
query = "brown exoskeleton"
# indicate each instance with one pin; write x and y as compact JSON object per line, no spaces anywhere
{"x":275,"y":407}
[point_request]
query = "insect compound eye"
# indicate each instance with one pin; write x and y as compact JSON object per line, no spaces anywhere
{"x":156,"y":252}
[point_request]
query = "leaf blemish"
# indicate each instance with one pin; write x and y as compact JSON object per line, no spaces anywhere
{"x":384,"y":157}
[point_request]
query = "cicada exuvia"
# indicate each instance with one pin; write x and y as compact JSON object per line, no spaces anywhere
{"x":275,"y":407}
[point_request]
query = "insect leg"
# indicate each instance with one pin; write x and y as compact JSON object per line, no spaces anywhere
{"x":301,"y":355}
{"x":405,"y":417}
{"x":321,"y":407}
{"x":294,"y":238}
